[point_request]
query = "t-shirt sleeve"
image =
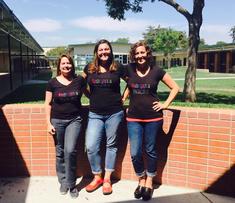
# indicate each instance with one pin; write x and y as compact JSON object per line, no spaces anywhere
{"x":49,"y":87}
{"x":161,"y":73}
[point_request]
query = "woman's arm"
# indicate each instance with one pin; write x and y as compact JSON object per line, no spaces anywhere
{"x":48,"y":99}
{"x":168,"y":81}
{"x":86,"y":90}
{"x":125,"y":94}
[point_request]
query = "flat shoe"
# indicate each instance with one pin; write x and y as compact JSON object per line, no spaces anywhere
{"x":147,"y":194}
{"x":107,"y":189}
{"x":139,"y":192}
{"x":92,"y":187}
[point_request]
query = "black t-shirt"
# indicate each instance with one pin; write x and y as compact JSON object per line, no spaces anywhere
{"x":105,"y":96}
{"x":66,"y":99}
{"x":143,"y":92}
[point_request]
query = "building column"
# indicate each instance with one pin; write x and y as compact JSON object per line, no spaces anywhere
{"x":228,"y":61}
{"x":217,"y":62}
{"x":206,"y":61}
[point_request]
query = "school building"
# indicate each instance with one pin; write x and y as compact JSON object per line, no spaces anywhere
{"x":20,"y":54}
{"x":83,"y":53}
{"x":219,"y":59}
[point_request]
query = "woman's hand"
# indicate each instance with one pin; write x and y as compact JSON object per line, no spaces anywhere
{"x":51,"y":129}
{"x":157,"y":106}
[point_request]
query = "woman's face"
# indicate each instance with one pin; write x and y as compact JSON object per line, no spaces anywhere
{"x":65,"y":66}
{"x":104,"y":52}
{"x":141,"y":55}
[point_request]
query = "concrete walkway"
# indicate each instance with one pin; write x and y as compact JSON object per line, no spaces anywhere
{"x":45,"y":189}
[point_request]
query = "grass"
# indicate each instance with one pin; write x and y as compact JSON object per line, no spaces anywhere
{"x":211,"y":93}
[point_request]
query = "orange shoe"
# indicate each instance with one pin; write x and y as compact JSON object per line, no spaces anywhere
{"x":107,"y":188}
{"x":95,"y":184}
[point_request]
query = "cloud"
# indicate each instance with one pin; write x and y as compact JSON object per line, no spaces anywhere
{"x":42,"y":25}
{"x":108,"y":24}
{"x":213,"y":33}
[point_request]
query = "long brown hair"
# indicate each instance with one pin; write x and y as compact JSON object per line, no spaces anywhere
{"x":148,"y":49}
{"x":71,"y":62}
{"x":94,"y":65}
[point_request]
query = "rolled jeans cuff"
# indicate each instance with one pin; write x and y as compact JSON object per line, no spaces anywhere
{"x":109,"y":170}
{"x":96,"y":172}
{"x":141,"y":174}
{"x":151,"y":174}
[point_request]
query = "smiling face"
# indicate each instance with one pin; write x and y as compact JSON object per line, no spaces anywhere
{"x":141,"y":55}
{"x":103,"y":52}
{"x":65,"y":66}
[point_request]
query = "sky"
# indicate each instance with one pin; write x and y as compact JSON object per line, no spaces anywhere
{"x":61,"y":22}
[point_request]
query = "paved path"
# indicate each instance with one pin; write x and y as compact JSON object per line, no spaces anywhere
{"x":45,"y":190}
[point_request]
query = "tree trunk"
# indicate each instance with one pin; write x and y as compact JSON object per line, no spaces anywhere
{"x":190,"y":75}
{"x":195,"y":22}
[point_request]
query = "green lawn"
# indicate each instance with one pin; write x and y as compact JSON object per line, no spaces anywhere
{"x":217,"y":93}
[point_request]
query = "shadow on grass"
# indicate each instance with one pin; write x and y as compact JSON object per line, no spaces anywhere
{"x":26,"y":94}
{"x":35,"y":93}
{"x":203,"y":100}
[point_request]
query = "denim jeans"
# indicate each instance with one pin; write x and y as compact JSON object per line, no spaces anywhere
{"x":99,"y":126}
{"x":67,"y":133}
{"x":142,"y":136}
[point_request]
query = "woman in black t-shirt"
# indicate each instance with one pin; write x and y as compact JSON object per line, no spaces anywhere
{"x":63,"y":106}
{"x":144,"y":115}
{"x":106,"y":112}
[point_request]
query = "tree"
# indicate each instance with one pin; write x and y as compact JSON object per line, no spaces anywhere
{"x":150,"y":35}
{"x":122,"y":40}
{"x":221,"y":43}
{"x":116,"y":9}
{"x":167,"y":40}
{"x":232,"y":33}
{"x":56,"y":52}
{"x":202,"y":42}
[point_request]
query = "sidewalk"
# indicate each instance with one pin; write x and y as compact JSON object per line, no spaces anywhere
{"x":45,"y":189}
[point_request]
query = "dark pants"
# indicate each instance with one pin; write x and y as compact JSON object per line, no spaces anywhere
{"x":67,"y":133}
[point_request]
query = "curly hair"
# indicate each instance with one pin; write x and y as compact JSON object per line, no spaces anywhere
{"x":148,"y":49}
{"x":94,"y":65}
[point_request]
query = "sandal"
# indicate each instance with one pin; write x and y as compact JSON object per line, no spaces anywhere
{"x":107,"y":188}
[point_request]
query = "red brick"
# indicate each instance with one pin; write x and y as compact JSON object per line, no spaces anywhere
{"x":221,"y":137}
{"x":218,"y":150}
{"x":21,"y":116}
{"x":220,"y":130}
{"x":216,"y":143}
{"x":199,"y":134}
{"x":22,"y":122}
{"x":198,"y":121}
{"x":201,"y":148}
{"x":225,"y":117}
{"x":197,"y":167}
{"x":197,"y":160}
{"x":218,"y":163}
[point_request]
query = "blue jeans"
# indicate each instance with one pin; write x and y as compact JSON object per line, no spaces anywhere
{"x":99,"y":126}
{"x":67,"y":133}
{"x":142,"y":136}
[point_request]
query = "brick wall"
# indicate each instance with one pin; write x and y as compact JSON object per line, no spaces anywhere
{"x":196,"y":147}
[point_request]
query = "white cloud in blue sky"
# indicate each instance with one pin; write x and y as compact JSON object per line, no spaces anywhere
{"x":42,"y":25}
{"x":63,"y":22}
{"x":104,"y":23}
